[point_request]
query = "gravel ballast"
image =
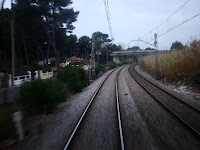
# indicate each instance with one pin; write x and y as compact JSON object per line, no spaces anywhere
{"x":167,"y":132}
{"x":145,"y":124}
{"x":99,"y":129}
{"x":183,"y":110}
{"x":169,"y":88}
{"x":135,"y":130}
{"x":57,"y":131}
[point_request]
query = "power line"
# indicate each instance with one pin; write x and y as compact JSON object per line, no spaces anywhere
{"x":177,"y":26}
{"x":106,"y":5}
{"x":108,"y":16}
{"x":167,"y":18}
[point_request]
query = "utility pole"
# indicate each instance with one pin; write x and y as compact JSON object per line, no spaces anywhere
{"x":93,"y":57}
{"x":2,"y":3}
{"x":13,"y":44}
{"x":107,"y":55}
{"x":156,"y":55}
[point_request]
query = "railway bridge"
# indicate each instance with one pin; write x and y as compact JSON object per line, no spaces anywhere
{"x":134,"y":54}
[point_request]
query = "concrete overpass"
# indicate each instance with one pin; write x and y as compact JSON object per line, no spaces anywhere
{"x":134,"y":54}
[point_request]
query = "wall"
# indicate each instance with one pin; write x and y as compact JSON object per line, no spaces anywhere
{"x":45,"y":75}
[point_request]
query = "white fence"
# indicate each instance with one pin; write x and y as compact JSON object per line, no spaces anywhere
{"x":18,"y":80}
{"x":45,"y":75}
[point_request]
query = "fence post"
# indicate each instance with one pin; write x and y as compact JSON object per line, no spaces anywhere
{"x":17,"y":117}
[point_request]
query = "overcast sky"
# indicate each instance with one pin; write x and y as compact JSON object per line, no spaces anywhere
{"x":132,"y":19}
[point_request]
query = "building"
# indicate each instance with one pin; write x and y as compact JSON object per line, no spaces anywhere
{"x":74,"y":59}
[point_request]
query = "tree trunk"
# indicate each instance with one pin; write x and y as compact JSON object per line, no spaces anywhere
{"x":39,"y":48}
{"x":26,"y":54}
{"x":55,"y":49}
{"x":54,"y":42}
{"x":13,"y":50}
{"x":48,"y":49}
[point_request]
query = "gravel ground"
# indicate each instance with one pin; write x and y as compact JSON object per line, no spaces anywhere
{"x":55,"y":134}
{"x":191,"y":116}
{"x":146,"y":125}
{"x":135,"y":130}
{"x":165,"y":130}
{"x":170,"y":88}
{"x":99,"y":130}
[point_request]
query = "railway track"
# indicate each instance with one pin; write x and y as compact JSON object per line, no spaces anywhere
{"x":186,"y":114}
{"x":84,"y":114}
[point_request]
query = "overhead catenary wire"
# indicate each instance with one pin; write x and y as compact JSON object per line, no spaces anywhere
{"x":179,"y":25}
{"x":108,"y":17}
{"x":185,"y":21}
{"x":166,"y":19}
{"x":106,"y":5}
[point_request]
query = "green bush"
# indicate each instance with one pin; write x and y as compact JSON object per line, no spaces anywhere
{"x":42,"y":96}
{"x":97,"y":70}
{"x":46,"y":70}
{"x":195,"y":77}
{"x":74,"y":77}
{"x":111,"y":64}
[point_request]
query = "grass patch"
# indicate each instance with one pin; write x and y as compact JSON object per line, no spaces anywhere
{"x":177,"y":65}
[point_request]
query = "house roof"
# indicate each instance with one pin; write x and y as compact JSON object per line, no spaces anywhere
{"x":74,"y":58}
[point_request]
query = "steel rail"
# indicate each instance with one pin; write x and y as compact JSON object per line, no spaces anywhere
{"x":183,"y":102}
{"x":167,"y":108}
{"x":118,"y":111}
{"x":85,"y":111}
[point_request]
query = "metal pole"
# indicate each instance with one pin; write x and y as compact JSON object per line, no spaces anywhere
{"x":107,"y":55}
{"x":93,"y":56}
{"x":17,"y":118}
{"x":156,"y":56}
{"x":12,"y":44}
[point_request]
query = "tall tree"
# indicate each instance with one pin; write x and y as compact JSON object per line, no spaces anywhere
{"x":177,"y":46}
{"x":28,"y":27}
{"x":134,"y":48}
{"x":71,"y":45}
{"x":149,"y":48}
{"x":5,"y":44}
{"x":101,"y":44}
{"x":114,"y":47}
{"x":101,"y":40}
{"x":84,"y":47}
{"x":57,"y":17}
{"x":45,"y":24}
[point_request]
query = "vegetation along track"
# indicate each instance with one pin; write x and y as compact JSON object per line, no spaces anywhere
{"x":73,"y":135}
{"x":186,"y":114}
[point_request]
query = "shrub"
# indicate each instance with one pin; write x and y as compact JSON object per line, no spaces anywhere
{"x":97,"y":70}
{"x":128,"y":61}
{"x":111,"y":64}
{"x":74,"y":77}
{"x":48,"y":69}
{"x":42,"y":96}
{"x":195,"y":77}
